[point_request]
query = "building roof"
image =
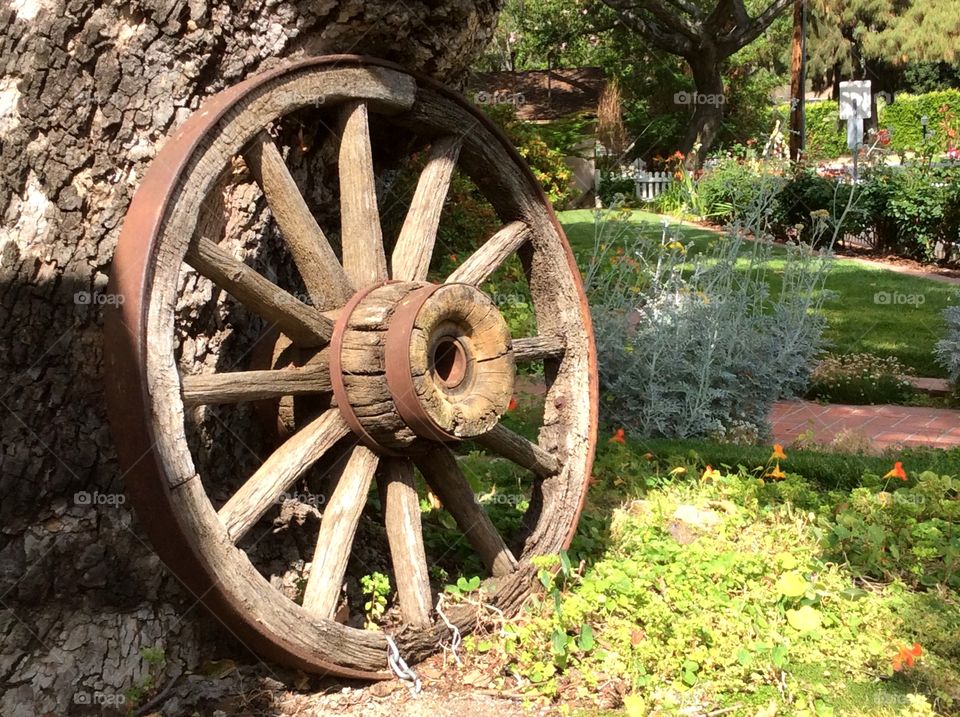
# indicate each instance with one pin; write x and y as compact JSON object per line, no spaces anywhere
{"x":541,"y":94}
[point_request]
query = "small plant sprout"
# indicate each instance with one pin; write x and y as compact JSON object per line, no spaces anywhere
{"x":376,"y":587}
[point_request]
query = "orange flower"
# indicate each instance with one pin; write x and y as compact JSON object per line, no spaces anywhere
{"x":778,"y":453}
{"x":618,"y":437}
{"x":906,"y":657}
{"x":453,"y":258}
{"x":649,"y":456}
{"x":897,"y":471}
{"x":709,"y":474}
{"x":513,"y":403}
{"x":776,"y":473}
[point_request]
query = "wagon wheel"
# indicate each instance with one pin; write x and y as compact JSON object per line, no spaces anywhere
{"x":411,"y":367}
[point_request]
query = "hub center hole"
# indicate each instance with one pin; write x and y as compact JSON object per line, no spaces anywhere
{"x":449,"y":361}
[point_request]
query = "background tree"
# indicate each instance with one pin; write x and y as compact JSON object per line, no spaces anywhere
{"x":896,"y":44}
{"x":571,"y":33}
{"x":704,"y":35}
{"x":89,"y":89}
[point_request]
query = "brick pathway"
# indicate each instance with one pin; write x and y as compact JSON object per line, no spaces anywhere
{"x":883,"y":426}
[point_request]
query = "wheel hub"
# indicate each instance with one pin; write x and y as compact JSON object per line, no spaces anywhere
{"x":416,"y":360}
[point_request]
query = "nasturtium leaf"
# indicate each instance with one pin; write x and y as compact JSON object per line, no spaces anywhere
{"x":778,"y":656}
{"x":804,"y":619}
{"x":586,"y":637}
{"x":792,"y":584}
{"x":786,"y":561}
{"x":635,"y":706}
{"x":744,"y":657}
{"x":546,"y":579}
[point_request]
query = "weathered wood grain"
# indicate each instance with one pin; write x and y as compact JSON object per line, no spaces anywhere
{"x":325,"y":279}
{"x":360,"y":233}
{"x":341,"y":515}
{"x":477,"y":267}
{"x":504,"y":442}
{"x":239,"y":386}
{"x":405,"y":535}
{"x":414,"y":247}
{"x":302,"y":323}
{"x":279,"y":472}
{"x":442,"y":473}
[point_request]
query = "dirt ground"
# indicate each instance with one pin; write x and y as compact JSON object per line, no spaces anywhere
{"x":266,"y":691}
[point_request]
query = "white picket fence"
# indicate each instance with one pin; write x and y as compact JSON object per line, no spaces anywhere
{"x":651,"y":185}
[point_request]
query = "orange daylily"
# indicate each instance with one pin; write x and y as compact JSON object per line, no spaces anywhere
{"x":618,"y":437}
{"x":513,"y":403}
{"x":897,"y":471}
{"x":778,"y":453}
{"x":906,"y":657}
{"x":776,"y":473}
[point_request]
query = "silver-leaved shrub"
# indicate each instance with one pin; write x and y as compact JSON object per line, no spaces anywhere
{"x":948,"y":348}
{"x":692,"y":339}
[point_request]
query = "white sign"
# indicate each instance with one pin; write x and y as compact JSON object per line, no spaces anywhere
{"x":855,"y":100}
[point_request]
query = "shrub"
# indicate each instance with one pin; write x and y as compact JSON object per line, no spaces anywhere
{"x":827,"y":136}
{"x":914,"y":209}
{"x":546,"y":162}
{"x":806,"y":199}
{"x":912,"y":534}
{"x":703,"y":349}
{"x":859,"y":379}
{"x":611,"y":186}
{"x":948,"y":348}
{"x":729,"y":188}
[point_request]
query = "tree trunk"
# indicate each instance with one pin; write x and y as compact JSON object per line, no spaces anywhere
{"x":798,"y":90}
{"x":88,"y":92}
{"x":707,"y":101}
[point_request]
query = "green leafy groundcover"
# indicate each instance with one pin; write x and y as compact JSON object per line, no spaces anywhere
{"x":728,"y":592}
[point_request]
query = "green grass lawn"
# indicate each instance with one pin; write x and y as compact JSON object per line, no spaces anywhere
{"x":858,"y":320}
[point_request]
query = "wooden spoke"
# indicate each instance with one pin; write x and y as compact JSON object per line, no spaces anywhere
{"x":506,"y":443}
{"x":485,"y":260}
{"x":537,"y":348}
{"x":279,"y":471}
{"x":337,"y":528}
{"x":302,"y":323}
{"x":360,"y":232}
{"x":322,"y":274}
{"x":405,"y":535}
{"x":446,"y":480}
{"x":239,"y":386}
{"x":414,"y":248}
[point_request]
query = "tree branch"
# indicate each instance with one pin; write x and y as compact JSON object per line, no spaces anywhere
{"x":658,"y":36}
{"x":742,"y":35}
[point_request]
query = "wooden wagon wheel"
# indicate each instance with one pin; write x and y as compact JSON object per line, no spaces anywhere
{"x":412,"y":366}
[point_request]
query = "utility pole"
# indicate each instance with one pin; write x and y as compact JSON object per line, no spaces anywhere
{"x":798,"y":80}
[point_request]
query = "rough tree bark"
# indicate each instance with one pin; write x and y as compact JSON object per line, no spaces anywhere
{"x":88,"y":91}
